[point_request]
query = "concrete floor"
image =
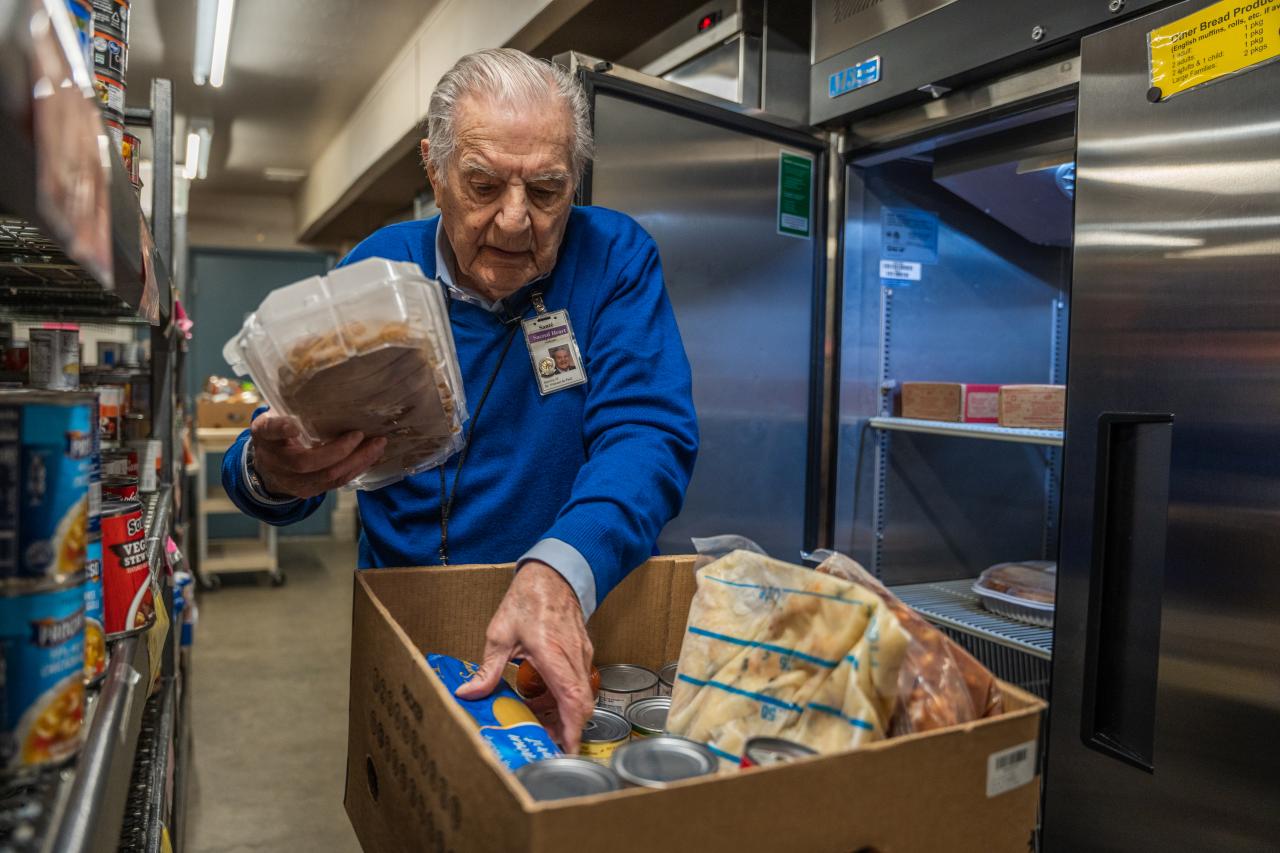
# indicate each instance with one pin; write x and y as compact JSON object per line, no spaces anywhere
{"x":269,"y":708}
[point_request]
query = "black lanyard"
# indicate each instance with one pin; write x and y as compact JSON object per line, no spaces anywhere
{"x":446,"y":504}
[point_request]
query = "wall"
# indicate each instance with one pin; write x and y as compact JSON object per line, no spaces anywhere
{"x":225,"y":285}
{"x":242,"y":221}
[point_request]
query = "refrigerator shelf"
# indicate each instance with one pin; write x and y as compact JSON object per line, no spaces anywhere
{"x":991,"y":432}
{"x":1014,"y":651}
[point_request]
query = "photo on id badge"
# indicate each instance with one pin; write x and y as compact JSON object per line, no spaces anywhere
{"x":557,"y":363}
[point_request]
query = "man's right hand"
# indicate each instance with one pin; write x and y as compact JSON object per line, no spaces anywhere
{"x":288,"y":467}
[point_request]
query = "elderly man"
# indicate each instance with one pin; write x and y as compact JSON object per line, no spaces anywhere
{"x":507,"y":140}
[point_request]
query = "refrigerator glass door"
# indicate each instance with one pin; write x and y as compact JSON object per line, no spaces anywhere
{"x":705,"y":182}
{"x":1166,"y":681}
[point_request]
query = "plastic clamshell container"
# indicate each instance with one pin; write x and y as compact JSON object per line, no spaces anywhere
{"x":367,"y":347}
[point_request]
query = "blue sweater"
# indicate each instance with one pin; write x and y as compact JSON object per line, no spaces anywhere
{"x":600,"y":467}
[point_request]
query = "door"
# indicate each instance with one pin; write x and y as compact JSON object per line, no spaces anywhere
{"x":1166,"y":681}
{"x":704,"y":181}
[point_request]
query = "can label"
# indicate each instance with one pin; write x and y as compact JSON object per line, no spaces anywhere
{"x":147,"y":455}
{"x":110,"y":411}
{"x":45,"y":466}
{"x":110,"y":93}
{"x":42,"y":635}
{"x":119,"y":462}
{"x":95,"y":637}
{"x":108,"y":54}
{"x":120,"y":488}
{"x":600,"y":751}
{"x":112,"y":15}
{"x":55,"y":359}
{"x":618,"y":701}
{"x":126,"y":576}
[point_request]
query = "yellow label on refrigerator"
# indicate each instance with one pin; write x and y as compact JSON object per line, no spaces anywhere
{"x":1221,"y":39}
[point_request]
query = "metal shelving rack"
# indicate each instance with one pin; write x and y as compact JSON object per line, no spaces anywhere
{"x":75,"y":246}
{"x":987,"y":432}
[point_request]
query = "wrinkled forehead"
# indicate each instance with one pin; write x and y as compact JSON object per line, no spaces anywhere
{"x":507,"y":135}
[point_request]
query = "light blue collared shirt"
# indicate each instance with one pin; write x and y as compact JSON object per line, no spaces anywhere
{"x":556,"y":553}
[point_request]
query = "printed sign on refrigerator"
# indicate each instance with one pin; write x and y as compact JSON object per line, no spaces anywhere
{"x":795,"y":193}
{"x":1219,"y":40}
{"x":909,"y":235}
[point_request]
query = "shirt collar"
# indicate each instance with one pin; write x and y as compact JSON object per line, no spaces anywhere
{"x":444,"y":271}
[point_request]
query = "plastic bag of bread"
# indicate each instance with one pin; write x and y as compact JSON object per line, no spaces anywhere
{"x":367,"y":347}
{"x":772,"y":648}
{"x":940,"y":684}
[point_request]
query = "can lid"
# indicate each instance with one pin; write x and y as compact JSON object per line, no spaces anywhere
{"x":605,"y":727}
{"x":626,"y":678}
{"x":560,"y":778}
{"x":765,"y":751}
{"x":658,"y":761}
{"x":650,"y":714}
{"x":667,"y":675}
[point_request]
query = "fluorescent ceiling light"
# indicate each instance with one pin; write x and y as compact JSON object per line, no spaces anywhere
{"x":206,"y":145}
{"x":206,"y":20}
{"x":221,"y":42}
{"x":283,"y":173}
{"x":191,"y":167}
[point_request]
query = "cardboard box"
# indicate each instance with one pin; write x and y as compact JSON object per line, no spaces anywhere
{"x":221,"y":414}
{"x":1033,"y":406}
{"x":420,"y":778}
{"x":951,"y":401}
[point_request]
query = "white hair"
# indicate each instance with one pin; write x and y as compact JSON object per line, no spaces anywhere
{"x":511,"y":77}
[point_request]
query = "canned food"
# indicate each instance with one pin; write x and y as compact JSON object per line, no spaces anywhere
{"x":110,"y":412}
{"x":561,"y":778}
{"x":110,"y":54}
{"x":95,"y":636}
{"x":82,"y":18}
{"x":667,"y":679}
{"x":110,"y":92}
{"x":622,"y":684}
{"x":55,"y":359}
{"x":126,"y":576}
{"x":656,"y":762}
{"x":120,"y":488}
{"x":46,"y":449}
{"x":604,"y":732}
{"x":112,"y":16}
{"x":17,"y":357}
{"x":767,"y":751}
{"x":648,"y":717}
{"x":115,"y":132}
{"x":120,"y":462}
{"x":42,"y":648}
{"x":131,"y":153}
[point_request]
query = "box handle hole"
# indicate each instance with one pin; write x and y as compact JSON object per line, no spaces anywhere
{"x":372,"y":774}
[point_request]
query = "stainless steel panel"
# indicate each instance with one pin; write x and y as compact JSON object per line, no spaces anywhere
{"x":743,"y":298}
{"x":924,"y":507}
{"x":720,"y":71}
{"x":1176,"y":309}
{"x":840,"y":24}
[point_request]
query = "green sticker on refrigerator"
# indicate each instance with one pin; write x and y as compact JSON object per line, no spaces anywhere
{"x":795,"y":193}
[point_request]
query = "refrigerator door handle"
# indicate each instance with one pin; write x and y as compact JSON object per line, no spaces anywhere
{"x":1122,"y":649}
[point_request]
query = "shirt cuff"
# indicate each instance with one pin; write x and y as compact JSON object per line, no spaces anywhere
{"x":570,"y":565}
{"x":255,"y":494}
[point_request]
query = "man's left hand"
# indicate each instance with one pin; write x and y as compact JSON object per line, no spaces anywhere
{"x":540,"y":620}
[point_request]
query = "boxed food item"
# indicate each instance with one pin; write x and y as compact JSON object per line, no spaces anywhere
{"x":367,"y":347}
{"x":226,"y":404}
{"x":421,"y":776}
{"x":951,"y":401}
{"x":1033,"y":406}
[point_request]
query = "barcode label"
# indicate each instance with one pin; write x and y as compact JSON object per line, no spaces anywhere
{"x":1011,"y":768}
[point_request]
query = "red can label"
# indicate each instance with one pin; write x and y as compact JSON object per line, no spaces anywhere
{"x":120,"y":488}
{"x":126,"y":576}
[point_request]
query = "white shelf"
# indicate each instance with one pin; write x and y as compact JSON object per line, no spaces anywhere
{"x":990,"y":432}
{"x":238,"y":555}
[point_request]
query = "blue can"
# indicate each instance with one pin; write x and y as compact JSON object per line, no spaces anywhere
{"x":46,"y":457}
{"x":95,"y":634}
{"x":42,"y":682}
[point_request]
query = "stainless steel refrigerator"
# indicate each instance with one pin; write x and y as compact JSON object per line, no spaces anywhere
{"x":702,"y":175}
{"x":1164,"y":726}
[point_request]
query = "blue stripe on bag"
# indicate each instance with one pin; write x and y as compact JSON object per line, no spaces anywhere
{"x":786,"y":589}
{"x":782,"y":650}
{"x":836,"y":712}
{"x":727,"y":756}
{"x":759,"y":697}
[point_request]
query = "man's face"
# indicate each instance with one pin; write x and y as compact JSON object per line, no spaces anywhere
{"x":507,"y":194}
{"x":563,"y":361}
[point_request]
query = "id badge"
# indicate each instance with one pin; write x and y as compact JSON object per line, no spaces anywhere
{"x":557,"y":364}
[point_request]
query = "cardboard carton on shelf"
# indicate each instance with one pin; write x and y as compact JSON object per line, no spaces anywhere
{"x":224,"y":414}
{"x":954,"y":402}
{"x":1033,"y":406}
{"x":420,"y":777}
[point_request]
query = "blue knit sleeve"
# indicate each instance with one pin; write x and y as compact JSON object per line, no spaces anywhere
{"x":639,"y":427}
{"x":234,"y":481}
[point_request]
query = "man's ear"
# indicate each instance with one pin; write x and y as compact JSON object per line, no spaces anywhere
{"x":425,"y":147}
